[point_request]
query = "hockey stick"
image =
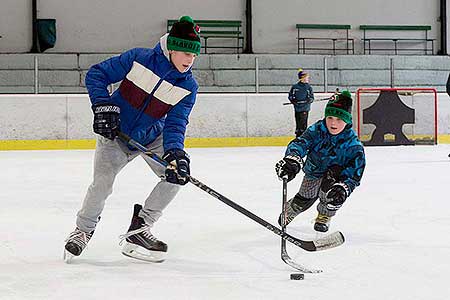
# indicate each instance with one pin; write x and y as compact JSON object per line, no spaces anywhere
{"x":284,"y":255}
{"x":318,"y":100}
{"x":329,"y":241}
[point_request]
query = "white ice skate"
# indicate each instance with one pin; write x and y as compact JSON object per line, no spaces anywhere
{"x":75,"y":244}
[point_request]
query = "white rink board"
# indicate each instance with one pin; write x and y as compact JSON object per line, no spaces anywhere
{"x":69,"y":117}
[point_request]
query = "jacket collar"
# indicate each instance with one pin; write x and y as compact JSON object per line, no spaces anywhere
{"x":163,"y":46}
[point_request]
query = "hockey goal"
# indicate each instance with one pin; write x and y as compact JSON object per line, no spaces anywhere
{"x":397,"y":116}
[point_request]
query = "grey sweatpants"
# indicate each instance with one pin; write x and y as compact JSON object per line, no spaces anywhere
{"x":311,"y":189}
{"x":110,"y":158}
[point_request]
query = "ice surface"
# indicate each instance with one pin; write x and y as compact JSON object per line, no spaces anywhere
{"x":397,"y":229}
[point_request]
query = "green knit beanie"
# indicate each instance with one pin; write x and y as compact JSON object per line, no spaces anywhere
{"x":340,"y":107}
{"x":184,"y":36}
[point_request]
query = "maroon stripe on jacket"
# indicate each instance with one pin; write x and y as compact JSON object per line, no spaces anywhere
{"x":132,"y":93}
{"x":157,"y":109}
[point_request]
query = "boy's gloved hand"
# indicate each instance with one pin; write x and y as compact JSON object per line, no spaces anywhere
{"x":337,"y":195}
{"x":289,"y":166}
{"x":106,"y":120}
{"x":178,"y":168}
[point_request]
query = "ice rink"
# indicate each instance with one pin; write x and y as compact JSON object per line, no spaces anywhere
{"x":396,"y":224}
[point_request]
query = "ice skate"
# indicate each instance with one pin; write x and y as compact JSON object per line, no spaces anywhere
{"x":322,"y":223}
{"x":139,"y":241}
{"x":75,"y":244}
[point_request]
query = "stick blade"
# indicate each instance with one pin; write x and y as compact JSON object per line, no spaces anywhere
{"x":332,"y":240}
{"x":290,"y":262}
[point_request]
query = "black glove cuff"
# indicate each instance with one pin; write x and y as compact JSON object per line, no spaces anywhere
{"x":176,"y":154}
{"x":344,"y":187}
{"x":105,"y":108}
{"x":297,"y":159}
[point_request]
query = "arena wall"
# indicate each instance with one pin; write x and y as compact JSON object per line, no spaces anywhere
{"x":113,"y":26}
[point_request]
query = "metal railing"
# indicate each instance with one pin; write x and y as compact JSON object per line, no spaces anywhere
{"x":324,"y":85}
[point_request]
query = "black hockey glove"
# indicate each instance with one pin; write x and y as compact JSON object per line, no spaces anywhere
{"x":337,"y":195}
{"x":178,"y":170}
{"x":106,"y":120}
{"x":289,"y":166}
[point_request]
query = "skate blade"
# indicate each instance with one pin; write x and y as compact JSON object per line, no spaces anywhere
{"x":138,"y":252}
{"x":320,"y":234}
{"x":67,"y":256}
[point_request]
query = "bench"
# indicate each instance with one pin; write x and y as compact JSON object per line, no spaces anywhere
{"x":301,"y":39}
{"x":218,"y":29}
{"x":425,"y":42}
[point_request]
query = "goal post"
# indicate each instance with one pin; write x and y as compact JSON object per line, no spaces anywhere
{"x":397,"y":116}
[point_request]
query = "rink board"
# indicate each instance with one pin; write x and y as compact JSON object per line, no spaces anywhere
{"x":218,"y":120}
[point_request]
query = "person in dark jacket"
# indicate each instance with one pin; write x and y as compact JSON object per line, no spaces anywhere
{"x":152,"y":105}
{"x":301,"y":96}
{"x":334,"y":164}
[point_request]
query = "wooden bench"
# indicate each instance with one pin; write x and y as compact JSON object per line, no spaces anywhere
{"x":424,"y":41}
{"x":301,"y":39}
{"x":218,"y":29}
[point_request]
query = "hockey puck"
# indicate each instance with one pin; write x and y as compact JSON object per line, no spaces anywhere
{"x":297,"y":276}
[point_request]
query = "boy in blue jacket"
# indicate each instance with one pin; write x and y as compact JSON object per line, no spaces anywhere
{"x":334,"y":164}
{"x":152,"y":106}
{"x":301,"y":96}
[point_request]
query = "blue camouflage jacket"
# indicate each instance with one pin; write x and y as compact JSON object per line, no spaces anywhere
{"x":154,"y":97}
{"x":324,"y":150}
{"x":301,"y":95}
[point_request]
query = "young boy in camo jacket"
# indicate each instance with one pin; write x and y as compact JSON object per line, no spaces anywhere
{"x":334,"y":164}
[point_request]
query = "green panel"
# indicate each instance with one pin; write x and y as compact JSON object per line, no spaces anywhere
{"x":212,"y":23}
{"x":395,"y":27}
{"x":219,"y":32}
{"x":230,"y":25}
{"x":322,"y":26}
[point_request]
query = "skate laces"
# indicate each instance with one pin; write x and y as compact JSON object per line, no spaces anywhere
{"x":322,"y":219}
{"x":145,"y":230}
{"x":79,"y":238}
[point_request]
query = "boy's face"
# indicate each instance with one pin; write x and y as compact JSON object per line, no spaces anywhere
{"x":182,"y":60}
{"x":334,"y":125}
{"x":305,"y":79}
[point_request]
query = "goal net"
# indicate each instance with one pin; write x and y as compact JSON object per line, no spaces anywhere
{"x":396,"y":116}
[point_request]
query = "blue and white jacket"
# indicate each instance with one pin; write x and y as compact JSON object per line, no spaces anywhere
{"x":324,"y":150}
{"x":154,"y":97}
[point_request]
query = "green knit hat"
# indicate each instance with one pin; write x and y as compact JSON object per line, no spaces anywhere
{"x":340,"y":107}
{"x":184,"y":36}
